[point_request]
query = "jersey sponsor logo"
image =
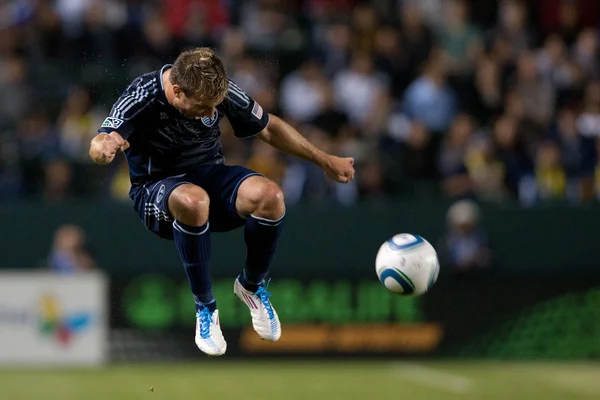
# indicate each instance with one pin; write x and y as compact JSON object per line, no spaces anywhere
{"x":112,"y":122}
{"x":257,"y":110}
{"x":209,"y":122}
{"x":161,"y":193}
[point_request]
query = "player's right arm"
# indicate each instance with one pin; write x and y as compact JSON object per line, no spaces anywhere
{"x":117,"y":127}
{"x":105,"y":146}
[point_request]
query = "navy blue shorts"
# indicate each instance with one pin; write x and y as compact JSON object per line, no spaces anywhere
{"x":220,"y":181}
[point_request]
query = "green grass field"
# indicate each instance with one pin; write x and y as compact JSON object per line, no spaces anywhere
{"x":287,"y":380}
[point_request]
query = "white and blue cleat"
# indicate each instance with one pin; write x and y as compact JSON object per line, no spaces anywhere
{"x":264,"y":317}
{"x":209,"y":337}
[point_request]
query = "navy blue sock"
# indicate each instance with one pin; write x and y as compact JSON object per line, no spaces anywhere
{"x":193,"y":244}
{"x":261,"y":237}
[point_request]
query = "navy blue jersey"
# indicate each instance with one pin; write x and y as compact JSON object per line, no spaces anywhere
{"x":163,"y":141}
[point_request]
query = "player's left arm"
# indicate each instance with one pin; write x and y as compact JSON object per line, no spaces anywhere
{"x":249,"y":119}
{"x":285,"y":138}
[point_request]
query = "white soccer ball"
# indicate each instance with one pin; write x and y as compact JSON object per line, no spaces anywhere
{"x":407,"y":264}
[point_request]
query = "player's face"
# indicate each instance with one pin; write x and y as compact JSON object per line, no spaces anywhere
{"x":192,"y":108}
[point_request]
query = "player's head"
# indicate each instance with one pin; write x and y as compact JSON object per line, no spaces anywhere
{"x":199,"y":82}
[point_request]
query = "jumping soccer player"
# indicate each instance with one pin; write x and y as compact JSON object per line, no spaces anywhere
{"x":167,"y":124}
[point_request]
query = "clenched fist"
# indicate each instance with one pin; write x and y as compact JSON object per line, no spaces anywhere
{"x":104,"y":147}
{"x":340,"y":169}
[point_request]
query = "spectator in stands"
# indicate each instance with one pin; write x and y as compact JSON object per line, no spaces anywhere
{"x":70,"y":253}
{"x":302,"y":92}
{"x":370,"y":179}
{"x":249,"y":74}
{"x":77,"y":124}
{"x":554,"y":65}
{"x":417,"y":35}
{"x":512,"y":27}
{"x":359,"y":89}
{"x":451,"y":159}
{"x":364,"y":27}
{"x":332,"y":120}
{"x":17,"y":93}
{"x":510,"y":151}
{"x":484,"y":99}
{"x":429,"y":99}
{"x":334,"y":48}
{"x":232,"y":49}
{"x":58,"y":180}
{"x":586,"y":53}
{"x":267,"y":27}
{"x":460,"y":39}
{"x":36,"y":143}
{"x":394,"y":83}
{"x":487,"y":174}
{"x":550,"y":175}
{"x":588,"y":123}
{"x":465,"y":248}
{"x":391,"y":58}
{"x":577,"y":154}
{"x":538,"y":95}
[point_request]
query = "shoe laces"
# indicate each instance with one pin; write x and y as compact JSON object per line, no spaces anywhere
{"x":205,"y":320}
{"x":263,"y":295}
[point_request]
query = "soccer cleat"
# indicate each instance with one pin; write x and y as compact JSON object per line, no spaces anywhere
{"x":209,"y":337}
{"x":264,"y":317}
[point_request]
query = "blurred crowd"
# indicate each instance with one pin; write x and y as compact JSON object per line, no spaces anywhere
{"x":493,"y":100}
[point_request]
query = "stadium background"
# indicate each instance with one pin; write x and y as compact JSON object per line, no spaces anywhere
{"x":473,"y":123}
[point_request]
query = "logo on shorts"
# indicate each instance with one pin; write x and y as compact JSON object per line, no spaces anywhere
{"x":209,"y":122}
{"x":111,"y":122}
{"x":161,"y":193}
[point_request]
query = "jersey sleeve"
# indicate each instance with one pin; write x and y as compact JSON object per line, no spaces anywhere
{"x":245,"y":115}
{"x":138,"y":95}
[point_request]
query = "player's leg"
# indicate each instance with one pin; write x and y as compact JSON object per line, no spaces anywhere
{"x":189,"y":204}
{"x":261,"y":202}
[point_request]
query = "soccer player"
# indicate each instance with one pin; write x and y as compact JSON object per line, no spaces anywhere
{"x":167,"y":124}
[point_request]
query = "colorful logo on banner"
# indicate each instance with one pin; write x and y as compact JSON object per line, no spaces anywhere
{"x":58,"y":325}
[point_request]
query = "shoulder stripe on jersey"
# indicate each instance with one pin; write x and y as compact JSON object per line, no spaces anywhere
{"x":239,"y":93}
{"x":141,"y":91}
{"x":128,"y":98}
{"x":140,"y":95}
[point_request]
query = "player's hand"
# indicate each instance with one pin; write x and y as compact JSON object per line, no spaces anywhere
{"x":340,"y":169}
{"x":105,"y":147}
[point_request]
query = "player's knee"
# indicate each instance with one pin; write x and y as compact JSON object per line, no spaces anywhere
{"x":270,"y":202}
{"x":190,"y":205}
{"x":273,"y":195}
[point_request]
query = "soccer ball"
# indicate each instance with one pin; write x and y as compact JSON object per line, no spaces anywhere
{"x":407,"y":264}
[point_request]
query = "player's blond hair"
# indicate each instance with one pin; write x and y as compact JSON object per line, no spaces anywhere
{"x":200,"y":74}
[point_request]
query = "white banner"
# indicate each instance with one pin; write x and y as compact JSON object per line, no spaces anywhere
{"x":49,"y":319}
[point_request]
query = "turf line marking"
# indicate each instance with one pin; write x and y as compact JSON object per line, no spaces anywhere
{"x":433,"y":378}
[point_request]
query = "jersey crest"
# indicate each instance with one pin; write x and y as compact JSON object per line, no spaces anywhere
{"x":209,"y":122}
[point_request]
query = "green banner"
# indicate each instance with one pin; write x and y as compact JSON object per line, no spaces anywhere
{"x":156,"y":302}
{"x":492,"y":317}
